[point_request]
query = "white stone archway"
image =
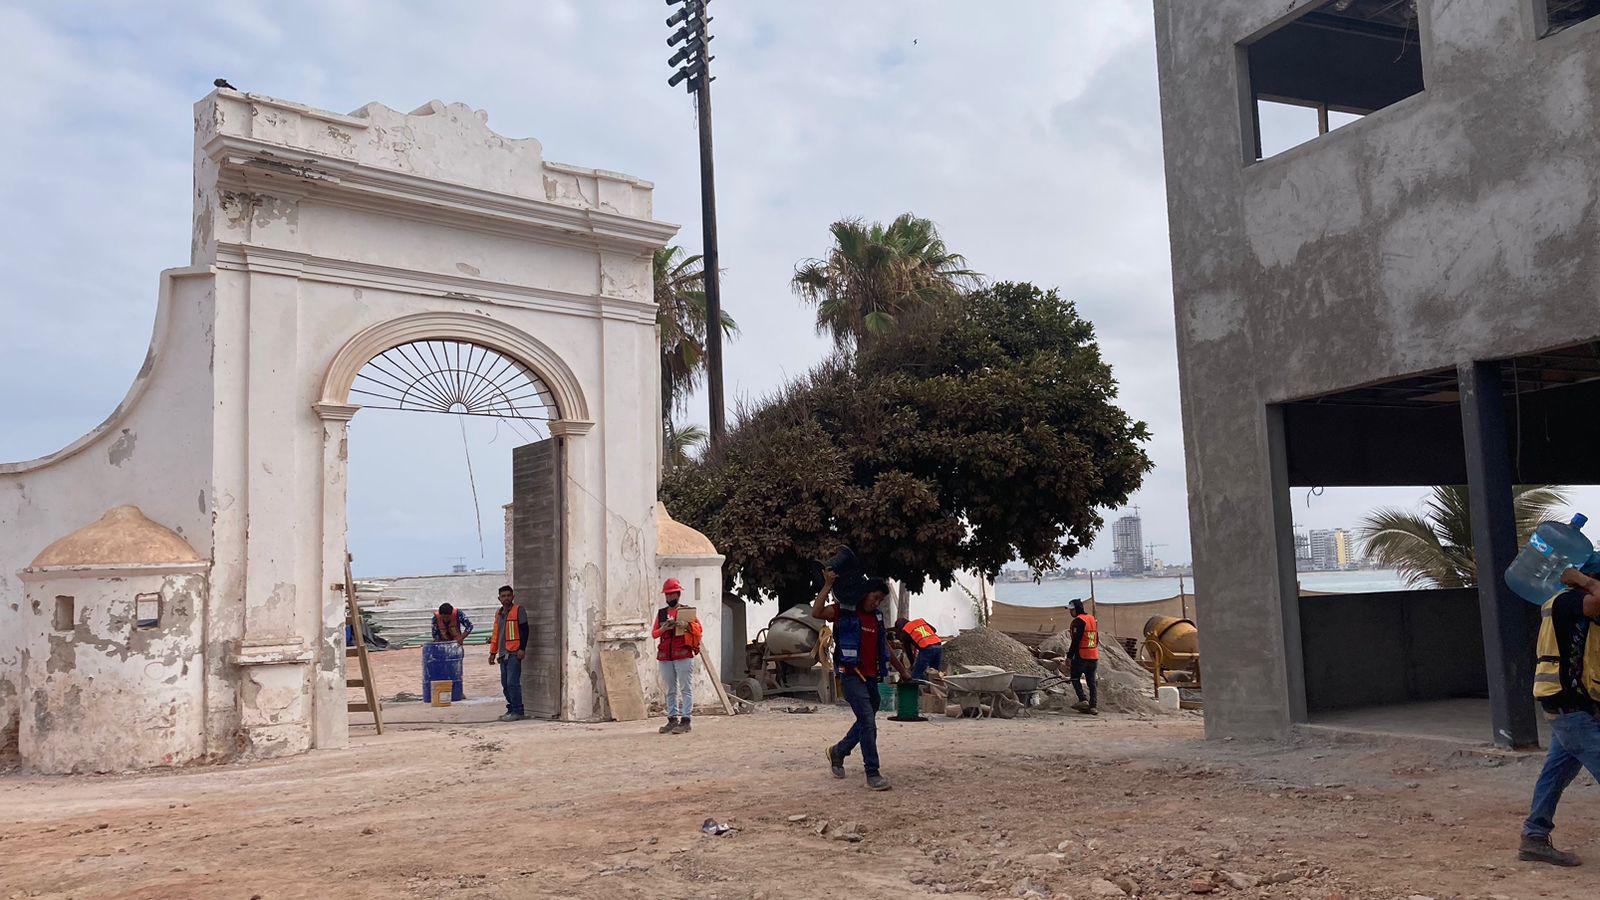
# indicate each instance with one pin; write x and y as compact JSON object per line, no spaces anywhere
{"x":320,"y":241}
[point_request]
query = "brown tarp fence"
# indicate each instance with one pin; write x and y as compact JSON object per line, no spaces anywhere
{"x":1118,"y":620}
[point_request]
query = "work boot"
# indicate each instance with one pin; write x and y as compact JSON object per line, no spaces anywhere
{"x":510,"y":717}
{"x":878,"y":782}
{"x":835,"y":761}
{"x":682,"y":727}
{"x":1081,"y":706}
{"x":1539,"y":849}
{"x":672,"y":722}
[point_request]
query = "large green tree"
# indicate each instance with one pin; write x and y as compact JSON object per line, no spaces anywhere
{"x":1433,"y":547}
{"x":875,"y":274}
{"x":985,"y":431}
{"x":680,"y":297}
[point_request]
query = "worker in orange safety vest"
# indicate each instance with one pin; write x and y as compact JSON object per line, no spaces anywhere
{"x":922,"y":645}
{"x":508,"y":646}
{"x":1085,"y":656}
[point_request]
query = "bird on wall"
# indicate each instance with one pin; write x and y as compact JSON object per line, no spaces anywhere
{"x":223,"y":83}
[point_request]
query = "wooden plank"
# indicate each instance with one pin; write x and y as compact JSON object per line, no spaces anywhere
{"x":722,"y":694}
{"x":360,"y":707}
{"x":353,"y":616}
{"x":619,"y":669}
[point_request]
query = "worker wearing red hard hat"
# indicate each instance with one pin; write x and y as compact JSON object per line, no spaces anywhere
{"x":676,"y":647}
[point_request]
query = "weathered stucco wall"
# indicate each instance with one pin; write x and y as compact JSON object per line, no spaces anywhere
{"x":151,"y":452}
{"x":321,"y":240}
{"x":1459,"y":224}
{"x":107,"y":695}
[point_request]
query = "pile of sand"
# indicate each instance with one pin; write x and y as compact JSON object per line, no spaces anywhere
{"x":988,"y":647}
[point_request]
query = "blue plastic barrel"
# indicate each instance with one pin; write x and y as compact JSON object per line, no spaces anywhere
{"x":441,"y":661}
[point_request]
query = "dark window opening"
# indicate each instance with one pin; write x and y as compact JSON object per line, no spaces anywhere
{"x":1340,"y":61}
{"x":63,"y":618}
{"x":147,"y":610}
{"x":1560,"y":15}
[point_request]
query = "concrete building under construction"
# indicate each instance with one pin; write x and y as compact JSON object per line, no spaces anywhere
{"x":1406,"y":294}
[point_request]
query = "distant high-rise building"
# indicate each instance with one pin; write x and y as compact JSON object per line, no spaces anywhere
{"x":1342,"y":549}
{"x":1127,"y":545}
{"x":1302,"y":551}
{"x":1323,"y":544}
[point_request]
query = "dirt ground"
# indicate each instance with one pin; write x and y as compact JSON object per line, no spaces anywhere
{"x":1062,"y":806}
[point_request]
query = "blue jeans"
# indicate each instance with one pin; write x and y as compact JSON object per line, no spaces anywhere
{"x":677,"y":680}
{"x":862,"y":695}
{"x":927,"y":658}
{"x":511,"y":682}
{"x":1574,"y":745}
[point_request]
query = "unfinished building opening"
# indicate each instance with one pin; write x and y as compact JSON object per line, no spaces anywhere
{"x":1454,"y":659}
{"x":1558,"y":15}
{"x":1329,"y":66}
{"x":425,"y":499}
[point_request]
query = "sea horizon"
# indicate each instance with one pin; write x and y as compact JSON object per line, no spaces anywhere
{"x":1137,"y":590}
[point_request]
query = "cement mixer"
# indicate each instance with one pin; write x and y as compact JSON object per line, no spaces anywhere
{"x":792,"y":656}
{"x":1175,"y":634}
{"x":1172,"y":648}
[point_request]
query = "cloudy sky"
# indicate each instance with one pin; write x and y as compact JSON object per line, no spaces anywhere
{"x":1029,"y":132}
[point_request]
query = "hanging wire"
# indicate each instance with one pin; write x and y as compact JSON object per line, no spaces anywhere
{"x":477,"y":508}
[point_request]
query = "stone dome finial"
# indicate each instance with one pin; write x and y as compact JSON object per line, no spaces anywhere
{"x":673,"y":538}
{"x":121,"y":537}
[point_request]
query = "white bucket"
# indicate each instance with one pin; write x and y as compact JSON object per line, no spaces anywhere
{"x":1168,"y":697}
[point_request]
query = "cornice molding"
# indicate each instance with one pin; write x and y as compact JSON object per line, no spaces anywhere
{"x":250,"y":163}
{"x":251,"y":258}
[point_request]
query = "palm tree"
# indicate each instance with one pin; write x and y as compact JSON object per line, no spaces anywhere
{"x":1433,"y":548}
{"x":683,"y":443}
{"x":874,"y":274}
{"x":681,"y":319}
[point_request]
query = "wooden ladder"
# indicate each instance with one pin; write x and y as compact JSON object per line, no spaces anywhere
{"x":359,"y":651}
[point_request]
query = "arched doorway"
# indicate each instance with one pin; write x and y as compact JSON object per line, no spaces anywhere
{"x":471,"y":367}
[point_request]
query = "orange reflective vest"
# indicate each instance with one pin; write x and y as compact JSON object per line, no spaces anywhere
{"x":452,"y":629}
{"x":921,"y":633}
{"x":1089,"y":645}
{"x":508,"y":620}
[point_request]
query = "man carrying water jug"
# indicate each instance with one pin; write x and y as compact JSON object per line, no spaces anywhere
{"x":1566,"y":682}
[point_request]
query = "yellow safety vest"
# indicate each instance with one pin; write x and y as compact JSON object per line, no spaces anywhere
{"x":1547,"y":674}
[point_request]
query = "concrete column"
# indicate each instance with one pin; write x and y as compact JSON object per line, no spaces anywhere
{"x":1508,"y":634}
{"x":330,"y":707}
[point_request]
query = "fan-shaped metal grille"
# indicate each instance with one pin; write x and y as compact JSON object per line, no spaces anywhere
{"x":454,"y":377}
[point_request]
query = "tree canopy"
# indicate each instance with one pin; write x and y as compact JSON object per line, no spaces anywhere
{"x":986,"y":431}
{"x":875,"y":274}
{"x":680,"y":297}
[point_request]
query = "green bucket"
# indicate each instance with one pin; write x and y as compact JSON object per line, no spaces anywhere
{"x":885,"y":696}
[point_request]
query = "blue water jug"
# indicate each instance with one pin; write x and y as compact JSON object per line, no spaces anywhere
{"x":1552,"y":549}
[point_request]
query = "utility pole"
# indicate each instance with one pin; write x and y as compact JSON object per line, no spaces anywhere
{"x":693,"y":64}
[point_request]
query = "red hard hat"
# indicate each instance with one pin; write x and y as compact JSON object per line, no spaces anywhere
{"x":672,"y":587}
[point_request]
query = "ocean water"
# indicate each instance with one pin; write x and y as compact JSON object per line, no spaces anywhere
{"x":1133,"y":590}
